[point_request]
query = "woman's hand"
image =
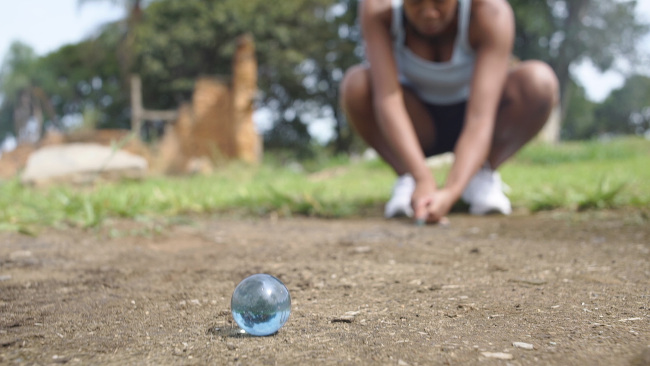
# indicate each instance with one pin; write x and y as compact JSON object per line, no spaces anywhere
{"x":432,"y":206}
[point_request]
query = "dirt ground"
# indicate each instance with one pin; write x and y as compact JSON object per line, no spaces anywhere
{"x":573,"y":286}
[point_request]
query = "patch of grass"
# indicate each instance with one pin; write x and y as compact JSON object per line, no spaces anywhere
{"x":576,"y":176}
{"x":580,"y":176}
{"x":583,"y":151}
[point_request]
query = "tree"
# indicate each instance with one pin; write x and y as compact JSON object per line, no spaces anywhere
{"x":134,"y":13}
{"x":580,"y":122}
{"x":627,"y":109}
{"x":566,"y":32}
{"x":88,"y":80}
{"x":300,"y":50}
{"x":76,"y":80}
{"x":24,"y":100}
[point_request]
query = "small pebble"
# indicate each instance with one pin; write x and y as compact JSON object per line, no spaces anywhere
{"x":529,"y":281}
{"x":362,"y":250}
{"x":343,"y":319}
{"x":21,"y":254}
{"x":523,"y":345}
{"x":497,"y":355}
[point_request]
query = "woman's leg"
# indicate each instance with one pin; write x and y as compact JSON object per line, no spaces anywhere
{"x":529,"y":96}
{"x":356,"y":100}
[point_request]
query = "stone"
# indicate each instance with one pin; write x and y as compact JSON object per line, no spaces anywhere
{"x":81,"y":163}
{"x":523,"y":345}
{"x":497,"y":355}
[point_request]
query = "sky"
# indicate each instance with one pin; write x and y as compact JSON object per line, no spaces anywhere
{"x":46,"y":25}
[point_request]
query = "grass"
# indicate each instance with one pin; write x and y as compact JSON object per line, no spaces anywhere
{"x":580,"y":176}
{"x":575,"y":176}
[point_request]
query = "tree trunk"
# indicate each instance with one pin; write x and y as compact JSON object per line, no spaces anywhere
{"x":566,"y":55}
{"x":37,"y":113}
{"x":22,"y":113}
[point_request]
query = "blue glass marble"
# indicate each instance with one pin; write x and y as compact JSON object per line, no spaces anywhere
{"x":261,"y":304}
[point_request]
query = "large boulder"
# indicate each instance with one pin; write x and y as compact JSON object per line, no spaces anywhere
{"x":81,"y":163}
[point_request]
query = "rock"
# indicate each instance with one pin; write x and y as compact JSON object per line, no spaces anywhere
{"x":362,"y":250}
{"x":343,"y":319}
{"x":81,"y":163}
{"x":19,"y":255}
{"x":523,"y":345}
{"x":497,"y":355}
{"x":347,"y":318}
{"x":529,"y":281}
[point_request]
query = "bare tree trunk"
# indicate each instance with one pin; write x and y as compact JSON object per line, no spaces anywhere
{"x":21,"y":117}
{"x":572,"y":25}
{"x":136,"y":104}
{"x":37,"y":114}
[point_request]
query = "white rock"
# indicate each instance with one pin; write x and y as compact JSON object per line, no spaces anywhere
{"x":523,"y":345}
{"x":81,"y":163}
{"x":497,"y":355}
{"x":20,"y":254}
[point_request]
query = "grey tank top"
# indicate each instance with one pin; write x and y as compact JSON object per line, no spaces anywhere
{"x":441,"y":83}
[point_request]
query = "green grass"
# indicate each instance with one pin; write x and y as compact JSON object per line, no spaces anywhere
{"x":575,"y":176}
{"x":581,"y":175}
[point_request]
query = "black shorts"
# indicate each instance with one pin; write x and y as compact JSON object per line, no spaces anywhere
{"x":448,"y":121}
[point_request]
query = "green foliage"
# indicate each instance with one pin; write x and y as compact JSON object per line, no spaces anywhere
{"x":586,"y":175}
{"x":76,"y":79}
{"x":87,"y":80}
{"x":18,"y":75}
{"x":18,"y":70}
{"x":580,"y":122}
{"x":303,"y":47}
{"x":627,"y":109}
{"x":566,"y":32}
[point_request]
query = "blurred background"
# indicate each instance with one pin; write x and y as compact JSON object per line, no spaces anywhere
{"x":69,"y":65}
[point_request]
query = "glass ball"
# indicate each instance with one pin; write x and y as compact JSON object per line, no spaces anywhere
{"x":261,"y":304}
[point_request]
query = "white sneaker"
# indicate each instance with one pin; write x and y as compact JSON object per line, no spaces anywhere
{"x":484,"y":193}
{"x":400,"y":201}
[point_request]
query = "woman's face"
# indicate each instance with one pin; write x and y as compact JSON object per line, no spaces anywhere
{"x":430,"y":17}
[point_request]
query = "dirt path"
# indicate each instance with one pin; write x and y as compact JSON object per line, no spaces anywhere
{"x":574,"y":286}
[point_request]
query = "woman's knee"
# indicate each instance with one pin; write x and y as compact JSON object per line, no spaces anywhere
{"x":355,"y":86}
{"x":538,"y":83}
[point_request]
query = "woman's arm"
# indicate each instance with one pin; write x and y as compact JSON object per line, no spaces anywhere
{"x":388,"y":99}
{"x":492,"y":36}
